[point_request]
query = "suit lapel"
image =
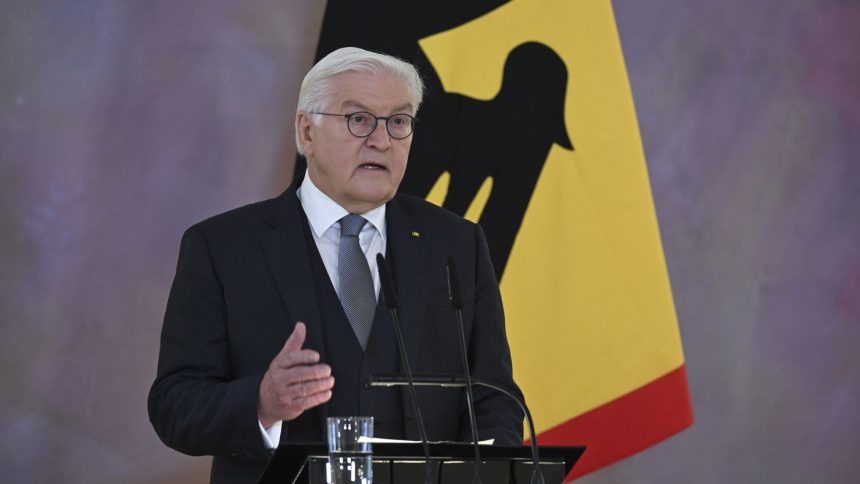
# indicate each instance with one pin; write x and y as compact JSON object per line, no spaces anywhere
{"x":287,"y":255}
{"x":407,"y":253}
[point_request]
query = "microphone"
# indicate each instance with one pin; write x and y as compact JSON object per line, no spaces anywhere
{"x":456,"y":298}
{"x":389,"y":298}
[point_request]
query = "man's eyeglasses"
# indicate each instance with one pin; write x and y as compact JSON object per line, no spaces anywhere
{"x":363,"y":124}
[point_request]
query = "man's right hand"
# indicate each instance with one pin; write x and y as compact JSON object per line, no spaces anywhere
{"x":294,"y":381}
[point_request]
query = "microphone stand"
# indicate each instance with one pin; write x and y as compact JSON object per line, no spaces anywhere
{"x":456,"y":298}
{"x":456,"y":381}
{"x":390,"y":299}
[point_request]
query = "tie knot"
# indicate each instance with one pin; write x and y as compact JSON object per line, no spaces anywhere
{"x":351,"y":225}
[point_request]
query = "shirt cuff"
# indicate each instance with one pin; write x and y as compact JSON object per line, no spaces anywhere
{"x":272,"y":435}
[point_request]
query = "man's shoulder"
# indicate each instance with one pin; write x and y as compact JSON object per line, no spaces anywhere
{"x":249,"y":218}
{"x":421,"y":210}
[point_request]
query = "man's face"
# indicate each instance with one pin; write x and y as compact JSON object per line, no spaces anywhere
{"x":359,"y":174}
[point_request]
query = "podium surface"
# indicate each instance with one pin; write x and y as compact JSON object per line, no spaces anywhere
{"x":403,"y":463}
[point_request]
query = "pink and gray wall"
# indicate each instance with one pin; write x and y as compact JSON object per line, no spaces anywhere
{"x":122,"y":123}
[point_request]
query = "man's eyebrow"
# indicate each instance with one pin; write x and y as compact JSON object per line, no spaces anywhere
{"x":353,"y":104}
{"x":404,"y":108}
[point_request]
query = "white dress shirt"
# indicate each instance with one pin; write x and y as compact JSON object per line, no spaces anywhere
{"x":324,"y":216}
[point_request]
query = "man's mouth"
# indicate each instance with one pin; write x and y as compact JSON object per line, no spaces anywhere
{"x":372,"y":166}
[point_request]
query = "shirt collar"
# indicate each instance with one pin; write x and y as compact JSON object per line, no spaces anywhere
{"x":323,"y":212}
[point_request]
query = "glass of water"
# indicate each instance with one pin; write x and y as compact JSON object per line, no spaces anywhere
{"x":350,"y":458}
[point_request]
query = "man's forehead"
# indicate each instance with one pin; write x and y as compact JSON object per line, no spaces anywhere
{"x":366,"y":91}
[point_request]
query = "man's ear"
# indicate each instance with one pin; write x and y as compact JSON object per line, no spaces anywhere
{"x":303,"y":129}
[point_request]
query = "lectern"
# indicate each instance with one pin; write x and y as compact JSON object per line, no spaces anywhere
{"x":404,"y":463}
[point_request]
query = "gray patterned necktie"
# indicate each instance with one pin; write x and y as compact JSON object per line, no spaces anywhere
{"x":356,"y":292}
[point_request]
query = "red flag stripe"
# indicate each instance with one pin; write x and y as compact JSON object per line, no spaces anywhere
{"x":627,"y":424}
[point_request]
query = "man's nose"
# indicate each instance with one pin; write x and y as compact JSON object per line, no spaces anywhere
{"x":379,"y":138}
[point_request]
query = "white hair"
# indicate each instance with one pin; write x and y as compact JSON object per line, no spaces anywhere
{"x":316,"y":87}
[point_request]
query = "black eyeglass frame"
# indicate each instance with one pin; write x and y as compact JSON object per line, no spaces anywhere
{"x":376,"y":119}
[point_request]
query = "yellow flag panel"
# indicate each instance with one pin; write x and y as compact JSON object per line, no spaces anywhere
{"x":589,"y":309}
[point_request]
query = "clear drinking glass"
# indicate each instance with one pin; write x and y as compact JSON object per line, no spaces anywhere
{"x":350,"y":458}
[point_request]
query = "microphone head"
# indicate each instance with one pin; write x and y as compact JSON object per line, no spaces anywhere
{"x":454,"y":293}
{"x":388,"y":296}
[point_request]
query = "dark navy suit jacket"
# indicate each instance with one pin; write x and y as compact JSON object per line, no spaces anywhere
{"x":245,"y":277}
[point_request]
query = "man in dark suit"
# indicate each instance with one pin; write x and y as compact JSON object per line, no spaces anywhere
{"x":273,"y":324}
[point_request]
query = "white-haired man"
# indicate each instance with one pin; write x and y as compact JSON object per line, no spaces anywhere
{"x":273,"y":323}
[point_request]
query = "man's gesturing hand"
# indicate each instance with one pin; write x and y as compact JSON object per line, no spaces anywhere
{"x":294,"y":381}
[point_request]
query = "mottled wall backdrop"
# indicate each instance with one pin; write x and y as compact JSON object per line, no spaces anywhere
{"x":123,"y":122}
